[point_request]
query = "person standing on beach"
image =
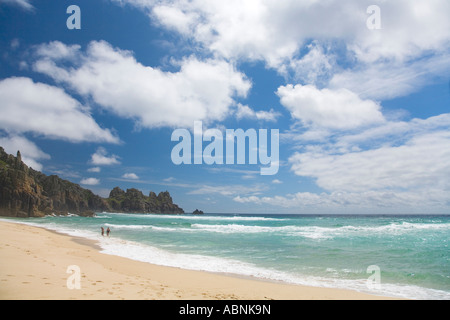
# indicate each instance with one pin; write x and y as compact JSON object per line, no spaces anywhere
{"x":108,"y":231}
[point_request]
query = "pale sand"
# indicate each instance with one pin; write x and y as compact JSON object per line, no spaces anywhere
{"x":34,"y":262}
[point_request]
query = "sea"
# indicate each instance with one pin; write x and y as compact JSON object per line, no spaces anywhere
{"x":405,"y":256}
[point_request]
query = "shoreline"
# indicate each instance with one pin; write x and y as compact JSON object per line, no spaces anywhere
{"x":35,"y":263}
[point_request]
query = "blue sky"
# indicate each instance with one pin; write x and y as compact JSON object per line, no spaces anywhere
{"x":363,"y":114}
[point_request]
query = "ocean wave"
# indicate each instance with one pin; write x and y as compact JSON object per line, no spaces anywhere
{"x":68,"y":230}
{"x":315,"y":232}
{"x":319,"y":233}
{"x":147,"y":227}
{"x":199,"y":262}
{"x":128,"y":226}
{"x":396,"y":227}
{"x":232,"y":228}
{"x":312,"y":232}
{"x":102,"y":217}
{"x":200,"y":217}
{"x":206,"y":261}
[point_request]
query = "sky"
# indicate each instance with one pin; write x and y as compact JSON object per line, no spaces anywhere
{"x":359,"y":92}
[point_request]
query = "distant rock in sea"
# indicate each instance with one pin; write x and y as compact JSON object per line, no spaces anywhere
{"x":25,"y":192}
{"x":196,"y":211}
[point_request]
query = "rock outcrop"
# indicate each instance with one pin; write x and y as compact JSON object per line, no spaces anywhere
{"x":25,"y":192}
{"x":134,"y":201}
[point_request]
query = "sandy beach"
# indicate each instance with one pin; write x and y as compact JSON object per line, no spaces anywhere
{"x":34,"y":264}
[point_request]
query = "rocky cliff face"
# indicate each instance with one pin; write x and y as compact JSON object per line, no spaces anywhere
{"x":134,"y":201}
{"x":25,"y":192}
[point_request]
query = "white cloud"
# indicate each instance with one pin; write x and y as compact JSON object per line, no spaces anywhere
{"x":30,"y":107}
{"x":276,"y":181}
{"x":391,"y":79}
{"x":90,"y":181}
{"x":430,"y":201}
{"x":31,"y":153}
{"x":175,"y":19}
{"x":393,"y":167}
{"x":410,"y":28}
{"x":231,"y":29}
{"x":94,"y":169}
{"x":420,"y":163}
{"x":334,"y":109}
{"x":315,"y":67}
{"x":66,"y":173}
{"x":392,"y":133}
{"x":131,"y":176}
{"x":245,"y":112}
{"x":24,"y":4}
{"x":101,"y":158}
{"x":275,"y":30}
{"x":200,"y":90}
{"x":227,"y":190}
{"x":413,"y":33}
{"x":56,"y":50}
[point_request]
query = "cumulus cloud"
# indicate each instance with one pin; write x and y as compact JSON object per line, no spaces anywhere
{"x":38,"y":108}
{"x":56,"y":50}
{"x":200,"y":90}
{"x":421,"y":162}
{"x":101,"y":158}
{"x":315,"y":67}
{"x":90,"y":181}
{"x":395,"y":166}
{"x":391,"y":79}
{"x":245,"y":112}
{"x":275,"y":30}
{"x":131,"y":176}
{"x":337,"y":72}
{"x":334,"y":109}
{"x":318,"y":41}
{"x":398,"y":164}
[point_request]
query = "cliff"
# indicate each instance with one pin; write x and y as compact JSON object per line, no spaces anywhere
{"x":25,"y":192}
{"x":134,"y":201}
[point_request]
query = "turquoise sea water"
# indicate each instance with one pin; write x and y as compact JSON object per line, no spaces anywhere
{"x":411,"y":252}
